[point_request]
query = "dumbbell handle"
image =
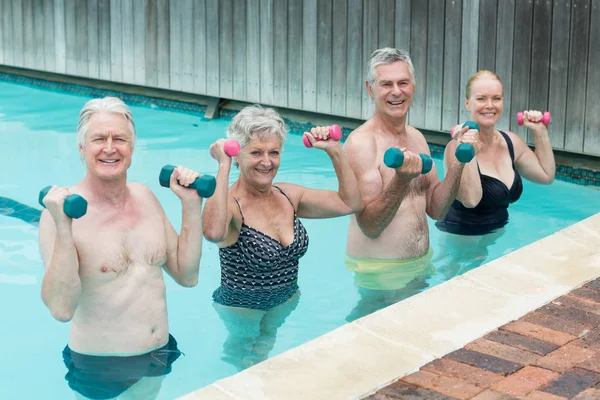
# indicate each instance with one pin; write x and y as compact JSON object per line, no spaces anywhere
{"x":335,"y":133}
{"x":74,"y":206}
{"x":204,"y":185}
{"x":545,"y":118}
{"x":394,"y":158}
{"x":464,"y":151}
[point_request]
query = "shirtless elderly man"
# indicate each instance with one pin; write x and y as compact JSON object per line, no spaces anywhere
{"x":388,"y":242}
{"x":103,"y":270}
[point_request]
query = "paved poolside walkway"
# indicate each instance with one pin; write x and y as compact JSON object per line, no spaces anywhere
{"x":552,"y":353}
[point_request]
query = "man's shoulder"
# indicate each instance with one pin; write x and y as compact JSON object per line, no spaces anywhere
{"x":361,"y":136}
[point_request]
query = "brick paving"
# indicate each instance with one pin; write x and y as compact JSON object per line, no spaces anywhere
{"x":552,"y":353}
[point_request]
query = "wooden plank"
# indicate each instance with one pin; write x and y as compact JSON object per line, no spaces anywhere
{"x":452,"y":97}
{"x":127,"y":40}
{"x":7,"y":33}
{"x":309,"y":54}
{"x":339,"y":57}
{"x":522,"y":61}
{"x":435,"y":65}
{"x":580,"y":29}
{"x":28,"y":35}
{"x":212,"y":43}
{"x":49,"y":39}
{"x":253,"y":51}
{"x":355,"y":78}
{"x":295,"y":57}
{"x":468,"y":48}
{"x":139,"y":42}
{"x":81,"y":38}
{"x":151,"y":39}
{"x":559,"y":67}
{"x":239,"y":50}
{"x":369,"y":41}
{"x":504,"y":61}
{"x":60,"y":44}
{"x":71,"y":37}
{"x":38,"y":35}
{"x":175,"y":53}
{"x":402,"y":18}
{"x":104,"y":51}
{"x":116,"y":48}
{"x":488,"y":15}
{"x":93,"y":49}
{"x":200,"y":46}
{"x":280,"y":53}
{"x":187,"y":44}
{"x":225,"y":49}
{"x":386,"y":25}
{"x":3,"y":48}
{"x":17,"y":25}
{"x":540,"y":50}
{"x":163,"y":43}
{"x":592,"y":119}
{"x":324,"y":50}
{"x":266,"y":51}
{"x":418,"y":50}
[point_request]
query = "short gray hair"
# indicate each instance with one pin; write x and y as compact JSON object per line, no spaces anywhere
{"x":258,"y":121}
{"x":388,"y":55}
{"x":108,"y":104}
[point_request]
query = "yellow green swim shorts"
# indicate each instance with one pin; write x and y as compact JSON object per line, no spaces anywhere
{"x":378,"y":274}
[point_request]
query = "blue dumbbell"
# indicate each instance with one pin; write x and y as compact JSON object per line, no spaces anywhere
{"x":75,"y":206}
{"x":205,"y":185}
{"x":465,"y":152}
{"x":394,"y":157}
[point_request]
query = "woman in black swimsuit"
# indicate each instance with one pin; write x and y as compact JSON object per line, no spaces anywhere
{"x":492,"y":180}
{"x":256,"y":225}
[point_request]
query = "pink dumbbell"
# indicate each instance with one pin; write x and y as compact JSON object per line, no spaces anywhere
{"x":545,"y":118}
{"x":335,"y":133}
{"x":231,"y":148}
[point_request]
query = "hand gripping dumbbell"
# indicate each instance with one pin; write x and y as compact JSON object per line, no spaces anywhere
{"x":335,"y":133}
{"x":74,"y":207}
{"x":394,"y":157}
{"x":545,"y":118}
{"x":464,"y":151}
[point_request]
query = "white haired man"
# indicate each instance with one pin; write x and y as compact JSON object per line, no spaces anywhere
{"x":103,"y":271}
{"x":388,"y":241}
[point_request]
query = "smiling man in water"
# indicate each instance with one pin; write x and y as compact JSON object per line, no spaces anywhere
{"x":388,"y":241}
{"x":103,"y":271}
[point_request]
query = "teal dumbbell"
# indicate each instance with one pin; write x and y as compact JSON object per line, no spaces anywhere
{"x":205,"y":185}
{"x":74,"y":207}
{"x":394,"y":157}
{"x":465,"y":152}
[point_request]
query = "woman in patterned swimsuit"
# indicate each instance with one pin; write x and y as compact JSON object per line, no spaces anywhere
{"x":256,"y":225}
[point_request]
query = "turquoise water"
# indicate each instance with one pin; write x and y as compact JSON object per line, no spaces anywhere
{"x":37,"y":137}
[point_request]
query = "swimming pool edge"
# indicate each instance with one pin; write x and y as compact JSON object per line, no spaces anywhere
{"x":361,"y":357}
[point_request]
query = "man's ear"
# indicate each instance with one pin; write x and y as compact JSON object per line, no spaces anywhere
{"x":369,"y":89}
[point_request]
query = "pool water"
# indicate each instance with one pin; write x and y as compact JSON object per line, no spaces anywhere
{"x":39,"y":148}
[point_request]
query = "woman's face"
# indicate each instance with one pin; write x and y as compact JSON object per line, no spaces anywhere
{"x":259,"y":159}
{"x":486,"y":103}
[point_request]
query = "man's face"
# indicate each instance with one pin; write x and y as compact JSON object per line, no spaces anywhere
{"x":392,"y":90}
{"x":108,"y":146}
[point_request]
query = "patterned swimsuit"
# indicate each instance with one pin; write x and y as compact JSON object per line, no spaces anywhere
{"x":257,"y":271}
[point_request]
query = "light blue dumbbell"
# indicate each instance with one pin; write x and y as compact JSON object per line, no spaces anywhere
{"x":394,"y":157}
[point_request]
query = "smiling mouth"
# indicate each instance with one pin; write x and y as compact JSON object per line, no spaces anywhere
{"x":396,"y":103}
{"x":109,"y":161}
{"x":488,"y":114}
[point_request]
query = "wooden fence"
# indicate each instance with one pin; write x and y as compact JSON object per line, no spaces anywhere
{"x":311,"y":54}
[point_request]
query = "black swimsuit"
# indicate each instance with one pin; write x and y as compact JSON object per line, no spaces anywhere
{"x":492,"y":211}
{"x":257,"y":271}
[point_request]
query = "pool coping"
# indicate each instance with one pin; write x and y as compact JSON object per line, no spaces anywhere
{"x":361,"y":357}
